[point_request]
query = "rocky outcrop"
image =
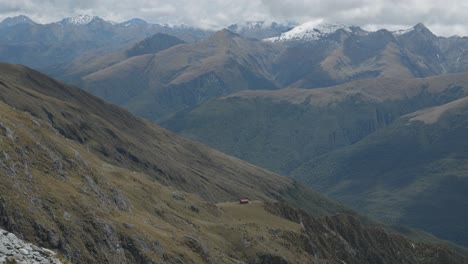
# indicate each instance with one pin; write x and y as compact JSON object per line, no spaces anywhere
{"x":14,"y":250}
{"x":344,"y":238}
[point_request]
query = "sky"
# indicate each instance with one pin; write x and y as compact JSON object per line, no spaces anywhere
{"x":443,"y":17}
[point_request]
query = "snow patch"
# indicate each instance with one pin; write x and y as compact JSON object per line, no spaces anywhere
{"x":79,"y":20}
{"x":309,"y":31}
{"x":402,"y":31}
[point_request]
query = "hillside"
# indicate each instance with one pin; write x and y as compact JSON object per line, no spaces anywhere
{"x":121,"y":139}
{"x":280,"y":130}
{"x":412,"y":172}
{"x":156,"y":85}
{"x":47,"y":46}
{"x":101,"y":186}
{"x":333,"y":54}
{"x":72,"y":158}
{"x":84,"y":65}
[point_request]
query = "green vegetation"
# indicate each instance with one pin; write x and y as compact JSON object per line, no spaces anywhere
{"x":92,"y":181}
{"x":156,"y":85}
{"x":412,"y":172}
{"x":393,"y":174}
{"x":101,"y":186}
{"x":281,"y":130}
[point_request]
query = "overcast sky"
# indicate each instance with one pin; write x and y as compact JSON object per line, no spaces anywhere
{"x":443,"y":17}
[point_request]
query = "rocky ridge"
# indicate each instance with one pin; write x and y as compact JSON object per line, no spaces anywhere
{"x":15,"y":250}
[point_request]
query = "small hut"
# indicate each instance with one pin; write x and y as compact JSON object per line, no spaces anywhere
{"x":244,"y":201}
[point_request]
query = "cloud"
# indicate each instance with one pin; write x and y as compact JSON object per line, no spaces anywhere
{"x":444,"y":17}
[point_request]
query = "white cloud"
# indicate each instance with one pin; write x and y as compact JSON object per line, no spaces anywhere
{"x":445,"y":17}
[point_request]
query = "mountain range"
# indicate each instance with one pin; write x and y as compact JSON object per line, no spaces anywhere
{"x":48,"y":46}
{"x":184,"y":76}
{"x":375,"y":120}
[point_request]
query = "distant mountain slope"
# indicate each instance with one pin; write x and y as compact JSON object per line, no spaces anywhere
{"x":84,"y":65}
{"x":156,"y":87}
{"x":310,"y":31}
{"x":181,"y":77}
{"x":412,"y":172}
{"x":101,"y":186}
{"x":328,"y":54}
{"x":45,"y":46}
{"x":281,"y":129}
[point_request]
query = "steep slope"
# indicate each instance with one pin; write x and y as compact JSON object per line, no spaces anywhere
{"x":412,"y":172}
{"x":180,"y":77}
{"x":119,"y":138}
{"x":328,"y":54}
{"x":73,"y":72}
{"x":156,"y":87}
{"x":90,"y":180}
{"x":282,"y":129}
{"x":334,"y":54}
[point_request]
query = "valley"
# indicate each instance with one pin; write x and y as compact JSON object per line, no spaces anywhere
{"x":130,"y":162}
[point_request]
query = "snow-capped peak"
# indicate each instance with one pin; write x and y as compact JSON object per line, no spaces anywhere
{"x":79,"y":20}
{"x":309,"y":31}
{"x":418,"y":27}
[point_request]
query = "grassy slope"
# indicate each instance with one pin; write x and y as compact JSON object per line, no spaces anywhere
{"x":279,"y":130}
{"x":88,"y":64}
{"x":56,"y":193}
{"x":66,"y":186}
{"x":412,"y":173}
{"x":285,"y":129}
{"x":122,"y":139}
{"x":156,"y":85}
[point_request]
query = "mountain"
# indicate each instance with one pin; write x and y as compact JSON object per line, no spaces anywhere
{"x":153,"y":44}
{"x":338,"y":53}
{"x":99,"y":185}
{"x":48,"y":46}
{"x":311,"y":31}
{"x":329,"y":54}
{"x":93,"y":173}
{"x":282,"y":129}
{"x":73,"y":71}
{"x":17,"y":20}
{"x":133,"y":22}
{"x":412,"y":172}
{"x":156,"y":85}
{"x":287,"y":130}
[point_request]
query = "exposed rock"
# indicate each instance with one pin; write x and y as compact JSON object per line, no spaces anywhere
{"x":14,"y":250}
{"x":178,"y":196}
{"x":268,"y":259}
{"x":197,"y":246}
